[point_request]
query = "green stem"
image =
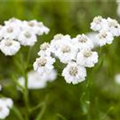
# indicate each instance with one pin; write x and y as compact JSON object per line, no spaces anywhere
{"x":17,"y":112}
{"x":26,"y":96}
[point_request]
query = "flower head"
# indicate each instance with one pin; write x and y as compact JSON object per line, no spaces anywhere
{"x":104,"y":37}
{"x":9,"y":47}
{"x":98,"y":23}
{"x":45,"y":50}
{"x":87,"y":58}
{"x":43,"y":64}
{"x":5,"y":106}
{"x":74,"y":73}
{"x":82,"y":42}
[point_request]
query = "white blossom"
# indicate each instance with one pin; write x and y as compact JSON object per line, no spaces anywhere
{"x":82,"y":42}
{"x":27,"y":38}
{"x":98,"y":23}
{"x":37,"y":27}
{"x":42,"y":29}
{"x":87,"y":58}
{"x":45,"y":50}
{"x":10,"y":31}
{"x":114,"y":27}
{"x":74,"y":73}
{"x":5,"y":106}
{"x":36,"y":81}
{"x":9,"y":47}
{"x":13,"y":21}
{"x":8,"y":102}
{"x":104,"y":37}
{"x":58,"y":41}
{"x":66,"y":52}
{"x":43,"y":64}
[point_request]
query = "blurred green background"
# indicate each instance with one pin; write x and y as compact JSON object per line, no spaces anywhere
{"x":66,"y":17}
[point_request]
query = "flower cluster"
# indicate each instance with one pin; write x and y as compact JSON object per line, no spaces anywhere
{"x":107,"y":29}
{"x":44,"y":64}
{"x":76,"y":53}
{"x":15,"y":33}
{"x":5,"y":106}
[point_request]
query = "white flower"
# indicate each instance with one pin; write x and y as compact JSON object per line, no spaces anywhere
{"x":98,"y":23}
{"x":114,"y":27}
{"x":66,"y":52}
{"x":42,"y":29}
{"x":9,"y":47}
{"x":10,"y":31}
{"x":117,"y":78}
{"x":4,"y":111}
{"x":27,"y":38}
{"x":45,"y":50}
{"x":87,"y":58}
{"x":13,"y":20}
{"x":5,"y":106}
{"x":104,"y":37}
{"x":36,"y":81}
{"x":8,"y":102}
{"x":82,"y":42}
{"x":35,"y":26}
{"x":57,"y":42}
{"x":73,"y":73}
{"x":43,"y":64}
{"x":92,"y":36}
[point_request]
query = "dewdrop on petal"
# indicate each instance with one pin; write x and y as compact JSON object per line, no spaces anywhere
{"x":9,"y":47}
{"x":27,"y":38}
{"x":82,"y":42}
{"x":87,"y":58}
{"x":73,"y":73}
{"x":43,"y":64}
{"x":104,"y":37}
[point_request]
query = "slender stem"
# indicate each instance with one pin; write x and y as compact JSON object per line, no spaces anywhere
{"x":26,"y":96}
{"x":26,"y":92}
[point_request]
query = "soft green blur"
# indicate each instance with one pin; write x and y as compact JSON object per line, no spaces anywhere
{"x":63,"y":99}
